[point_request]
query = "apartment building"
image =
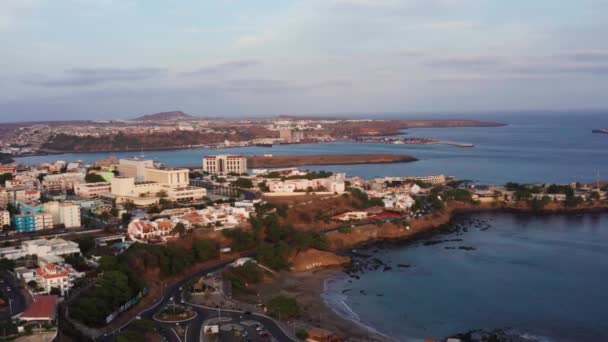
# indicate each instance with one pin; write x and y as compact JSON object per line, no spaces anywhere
{"x":134,"y":167}
{"x":32,"y":222}
{"x":225,"y":164}
{"x":5,"y":218}
{"x":62,"y":182}
{"x":91,"y":190}
{"x":65,"y":213}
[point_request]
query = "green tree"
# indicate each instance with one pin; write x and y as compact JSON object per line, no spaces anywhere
{"x":283,"y":307}
{"x":93,"y":178}
{"x":204,"y":250}
{"x":243,"y":183}
{"x":180,"y":229}
{"x":85,"y":243}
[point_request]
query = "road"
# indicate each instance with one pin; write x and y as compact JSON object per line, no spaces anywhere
{"x":10,"y":287}
{"x":193,"y":327}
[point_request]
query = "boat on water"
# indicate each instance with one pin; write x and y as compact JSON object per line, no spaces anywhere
{"x":263,"y":145}
{"x":600,"y":131}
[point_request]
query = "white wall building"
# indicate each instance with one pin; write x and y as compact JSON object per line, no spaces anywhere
{"x":42,"y":248}
{"x":5,"y":218}
{"x":225,"y":164}
{"x":49,"y":276}
{"x":91,"y":190}
{"x":66,"y":213}
{"x":134,"y":167}
{"x":62,"y":181}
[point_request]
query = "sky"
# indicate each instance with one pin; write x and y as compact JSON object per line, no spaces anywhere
{"x":101,"y":59}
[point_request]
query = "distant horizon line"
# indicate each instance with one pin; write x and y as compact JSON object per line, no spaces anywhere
{"x":343,"y":115}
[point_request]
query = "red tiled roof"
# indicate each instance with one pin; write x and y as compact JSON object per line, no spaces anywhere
{"x":43,"y":308}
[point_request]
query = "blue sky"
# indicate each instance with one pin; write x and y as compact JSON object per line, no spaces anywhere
{"x":96,"y":59}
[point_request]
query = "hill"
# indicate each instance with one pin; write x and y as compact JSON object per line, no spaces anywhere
{"x":174,"y":115}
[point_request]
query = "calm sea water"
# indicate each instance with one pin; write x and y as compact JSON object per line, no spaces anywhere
{"x":532,"y":148}
{"x":544,"y":276}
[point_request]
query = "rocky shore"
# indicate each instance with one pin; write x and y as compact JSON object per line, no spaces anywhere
{"x":362,"y":244}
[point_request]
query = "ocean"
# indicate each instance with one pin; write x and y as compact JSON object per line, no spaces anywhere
{"x":542,"y":276}
{"x":531,"y":148}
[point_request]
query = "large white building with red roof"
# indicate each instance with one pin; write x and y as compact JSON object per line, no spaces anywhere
{"x":49,"y":276}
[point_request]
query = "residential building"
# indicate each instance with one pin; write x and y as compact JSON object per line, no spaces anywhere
{"x":62,"y":182}
{"x":3,"y":198}
{"x":49,"y":276}
{"x":333,"y":184}
{"x":225,"y":164}
{"x":65,"y":213}
{"x":24,"y":223}
{"x":398,"y":202}
{"x":91,"y":190}
{"x":22,"y":194}
{"x":290,"y":134}
{"x":351,"y":216}
{"x":5,"y":218}
{"x":134,"y":167}
{"x":43,"y":221}
{"x":145,"y":231}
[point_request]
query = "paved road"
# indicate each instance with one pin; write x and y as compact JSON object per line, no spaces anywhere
{"x":10,"y":287}
{"x":194,"y":326}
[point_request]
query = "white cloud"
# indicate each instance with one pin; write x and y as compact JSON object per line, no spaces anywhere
{"x":13,"y":11}
{"x":254,"y":40}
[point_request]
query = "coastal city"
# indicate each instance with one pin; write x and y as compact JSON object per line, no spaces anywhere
{"x":303,"y":171}
{"x":154,"y":131}
{"x":130,"y":248}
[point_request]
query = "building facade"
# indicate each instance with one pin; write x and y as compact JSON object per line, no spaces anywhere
{"x":133,"y":167}
{"x":5,"y":218}
{"x":91,"y":190}
{"x":225,"y":164}
{"x":168,"y":177}
{"x":65,"y":213}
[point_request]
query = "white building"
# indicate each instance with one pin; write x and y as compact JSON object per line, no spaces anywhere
{"x":91,"y":190}
{"x":134,"y":167}
{"x":332,"y":184}
{"x":5,"y":218}
{"x":398,"y":202}
{"x":144,"y":231}
{"x":168,"y":177}
{"x":42,"y":248}
{"x":351,"y":216}
{"x":49,"y":276}
{"x":225,"y":164}
{"x":43,"y":221}
{"x":65,"y":213}
{"x":62,"y":181}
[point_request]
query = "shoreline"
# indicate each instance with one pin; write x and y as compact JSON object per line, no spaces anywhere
{"x":336,"y":159}
{"x":408,"y":239}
